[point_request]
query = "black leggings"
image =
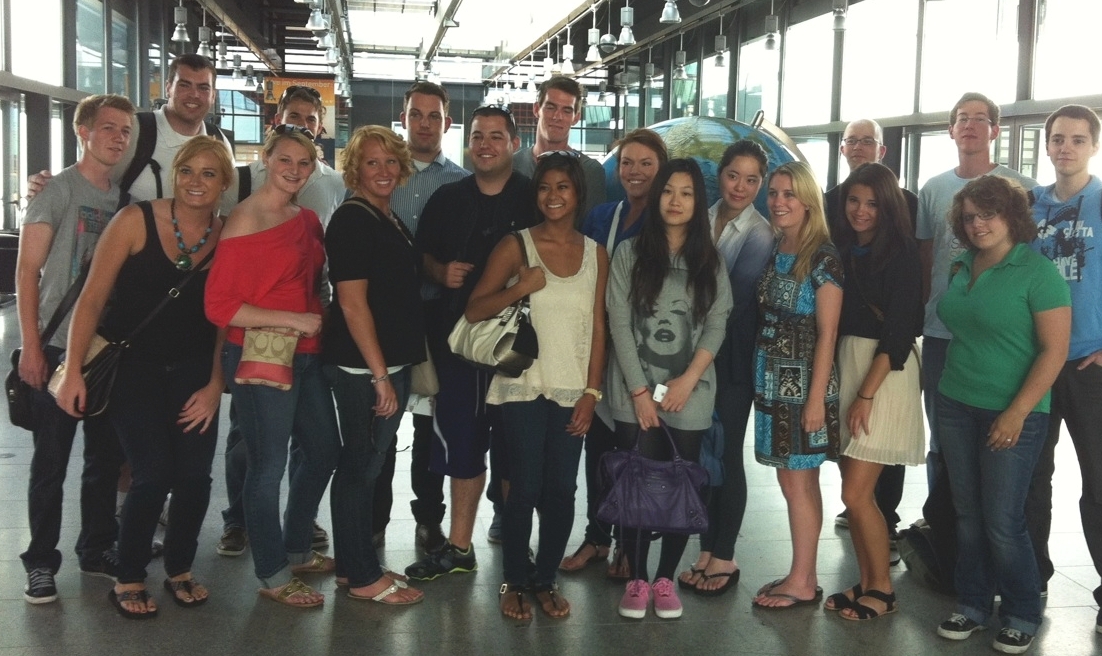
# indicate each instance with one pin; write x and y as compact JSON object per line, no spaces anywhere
{"x":636,"y":543}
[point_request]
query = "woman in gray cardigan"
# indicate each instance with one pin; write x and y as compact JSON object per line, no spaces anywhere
{"x":668,"y":301}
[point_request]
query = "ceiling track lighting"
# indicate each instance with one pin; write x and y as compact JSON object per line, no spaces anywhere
{"x":568,"y":54}
{"x":250,"y":76}
{"x":180,"y":17}
{"x":222,"y":61}
{"x":316,"y":22}
{"x":670,"y":13}
{"x":602,"y":87}
{"x":627,"y":19}
{"x":205,"y":36}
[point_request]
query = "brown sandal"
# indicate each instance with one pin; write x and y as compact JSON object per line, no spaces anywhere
{"x":294,"y":589}
{"x":514,"y":594}
{"x":318,"y":564}
{"x":618,"y":570}
{"x":573,"y":563}
{"x":554,"y":605}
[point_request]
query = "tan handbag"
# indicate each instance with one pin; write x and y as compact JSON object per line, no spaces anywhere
{"x":267,"y":358}
{"x":423,"y":380}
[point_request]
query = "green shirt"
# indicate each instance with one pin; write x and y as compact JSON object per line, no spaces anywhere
{"x":994,"y":340}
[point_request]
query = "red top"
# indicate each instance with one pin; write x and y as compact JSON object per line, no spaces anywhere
{"x":274,"y":269}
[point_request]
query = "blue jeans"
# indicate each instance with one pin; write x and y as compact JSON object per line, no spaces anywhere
{"x":989,"y":490}
{"x":145,"y":405}
{"x":53,"y":442}
{"x":367,"y":438}
{"x":543,"y":476}
{"x":267,"y":418}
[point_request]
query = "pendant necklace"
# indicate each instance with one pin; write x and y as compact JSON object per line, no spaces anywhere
{"x":183,"y":260}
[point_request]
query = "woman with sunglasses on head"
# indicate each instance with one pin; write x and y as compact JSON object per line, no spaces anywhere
{"x":668,"y":301}
{"x":266,"y":275}
{"x":374,"y":336}
{"x":745,"y":242}
{"x":880,"y":391}
{"x":795,"y":385}
{"x":1008,"y":310}
{"x":548,"y":409}
{"x":641,"y":153}
{"x":164,"y":402}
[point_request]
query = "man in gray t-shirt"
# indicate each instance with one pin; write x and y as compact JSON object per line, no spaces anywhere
{"x":60,"y":230}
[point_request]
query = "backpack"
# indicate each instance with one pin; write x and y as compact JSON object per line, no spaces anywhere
{"x":244,"y":182}
{"x":143,"y":155}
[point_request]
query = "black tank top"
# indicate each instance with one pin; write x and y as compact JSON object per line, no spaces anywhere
{"x":180,"y":331}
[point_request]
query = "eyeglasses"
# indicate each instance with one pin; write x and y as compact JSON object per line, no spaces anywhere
{"x":295,"y":88}
{"x":867,"y":142}
{"x":559,"y":153}
{"x":285,"y":128}
{"x":984,"y":216}
{"x":497,"y":110}
{"x":977,"y":120}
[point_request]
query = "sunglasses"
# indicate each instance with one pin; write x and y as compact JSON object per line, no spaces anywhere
{"x":496,"y":110}
{"x":559,"y":153}
{"x":285,"y":128}
{"x":295,"y":88}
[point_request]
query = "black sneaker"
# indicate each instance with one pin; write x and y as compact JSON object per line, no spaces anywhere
{"x":107,"y":566}
{"x":958,"y":627}
{"x":448,"y":560}
{"x":40,"y":588}
{"x":233,"y":541}
{"x":429,"y":537}
{"x":496,"y":532}
{"x":842,"y":520}
{"x":1012,"y":641}
{"x":320,"y":539}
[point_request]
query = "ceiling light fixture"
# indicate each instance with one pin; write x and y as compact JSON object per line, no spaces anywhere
{"x":839,"y":8}
{"x":670,"y":14}
{"x":679,"y":61}
{"x":180,"y":17}
{"x":721,"y":45}
{"x":608,"y":42}
{"x":627,"y":19}
{"x":593,"y":38}
{"x":222,"y":61}
{"x":568,"y":54}
{"x":205,"y":35}
{"x":316,"y":22}
{"x":602,"y":87}
{"x":772,"y":26}
{"x":237,"y":75}
{"x":648,"y":71}
{"x":548,"y":61}
{"x":250,"y":76}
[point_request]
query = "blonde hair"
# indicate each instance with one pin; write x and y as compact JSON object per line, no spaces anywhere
{"x":294,"y":133}
{"x":814,"y":232}
{"x":87,"y":110}
{"x":205,"y":144}
{"x":353,"y":154}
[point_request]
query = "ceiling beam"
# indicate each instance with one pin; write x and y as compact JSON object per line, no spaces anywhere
{"x":428,"y":51}
{"x":246,"y":30}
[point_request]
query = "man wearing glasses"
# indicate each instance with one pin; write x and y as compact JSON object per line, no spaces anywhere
{"x":558,"y":108}
{"x":461,"y":224}
{"x":299,"y":107}
{"x":1069,"y":225}
{"x":425,"y":118}
{"x":863,"y":143}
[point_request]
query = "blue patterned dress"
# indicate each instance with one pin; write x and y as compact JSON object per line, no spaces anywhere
{"x":783,"y":357}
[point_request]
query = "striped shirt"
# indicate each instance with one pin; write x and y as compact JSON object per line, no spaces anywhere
{"x":409,"y":200}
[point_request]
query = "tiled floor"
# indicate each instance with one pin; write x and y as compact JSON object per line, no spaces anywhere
{"x":460,"y":616}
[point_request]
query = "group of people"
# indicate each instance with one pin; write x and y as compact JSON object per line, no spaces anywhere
{"x":811,"y":317}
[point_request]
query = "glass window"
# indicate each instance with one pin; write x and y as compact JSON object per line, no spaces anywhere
{"x":683,"y":93}
{"x":90,"y":75}
{"x":714,"y":82}
{"x":807,"y":72}
{"x":655,"y":112}
{"x":242,"y":115}
{"x":816,"y":150}
{"x":937,"y":154}
{"x":878,"y":63}
{"x":36,"y":40}
{"x":758,"y":84}
{"x":969,"y":45}
{"x":1060,"y":54}
{"x":13,"y":163}
{"x":123,"y":62}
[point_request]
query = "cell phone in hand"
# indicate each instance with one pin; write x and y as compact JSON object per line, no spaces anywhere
{"x":660,"y":392}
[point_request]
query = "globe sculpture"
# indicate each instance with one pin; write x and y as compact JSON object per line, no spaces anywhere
{"x":704,"y":139}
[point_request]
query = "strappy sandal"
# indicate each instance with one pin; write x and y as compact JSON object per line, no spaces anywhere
{"x":553,"y":604}
{"x":862,"y":612}
{"x":186,"y":586}
{"x":595,"y":558}
{"x":318,"y":564}
{"x":128,"y":596}
{"x":619,"y":569}
{"x":514,"y":594}
{"x":294,"y":589}
{"x":840,"y":600}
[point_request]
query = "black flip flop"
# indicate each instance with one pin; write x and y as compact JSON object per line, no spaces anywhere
{"x":130,"y":595}
{"x":172,"y":587}
{"x":690,"y":586}
{"x":796,"y":601}
{"x":732,"y":581}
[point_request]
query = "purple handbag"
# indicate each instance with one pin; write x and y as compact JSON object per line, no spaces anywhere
{"x":653,"y":495}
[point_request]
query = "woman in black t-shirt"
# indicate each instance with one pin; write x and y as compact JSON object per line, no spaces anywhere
{"x":374,"y":335}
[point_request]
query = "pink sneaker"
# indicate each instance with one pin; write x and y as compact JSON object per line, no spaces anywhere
{"x":666,"y":604}
{"x":636,"y":597}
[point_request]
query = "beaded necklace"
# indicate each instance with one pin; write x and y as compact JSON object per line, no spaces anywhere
{"x":183,"y":260}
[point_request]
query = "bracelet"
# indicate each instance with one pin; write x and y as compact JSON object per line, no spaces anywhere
{"x":380,"y":379}
{"x":867,"y":398}
{"x":640,"y":393}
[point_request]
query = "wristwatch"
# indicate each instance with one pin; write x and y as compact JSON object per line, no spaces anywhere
{"x":596,"y":393}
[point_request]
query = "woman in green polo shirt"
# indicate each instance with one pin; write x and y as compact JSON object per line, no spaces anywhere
{"x":1009,"y":312}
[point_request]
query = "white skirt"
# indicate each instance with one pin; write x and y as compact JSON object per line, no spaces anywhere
{"x":896,"y":433}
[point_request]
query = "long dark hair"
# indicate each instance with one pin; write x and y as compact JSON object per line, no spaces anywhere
{"x":652,"y":249}
{"x":893,"y":217}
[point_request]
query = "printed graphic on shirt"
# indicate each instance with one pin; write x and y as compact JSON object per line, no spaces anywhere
{"x":1063,"y":239}
{"x":665,"y":340}
{"x":90,"y":224}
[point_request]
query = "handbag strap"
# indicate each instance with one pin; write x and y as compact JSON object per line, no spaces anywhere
{"x":173,"y":292}
{"x":66,"y":304}
{"x":666,"y":429}
{"x":377,"y":213}
{"x":610,"y":243}
{"x":524,"y":253}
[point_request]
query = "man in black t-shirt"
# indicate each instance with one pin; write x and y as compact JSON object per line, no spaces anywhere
{"x":461,"y":224}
